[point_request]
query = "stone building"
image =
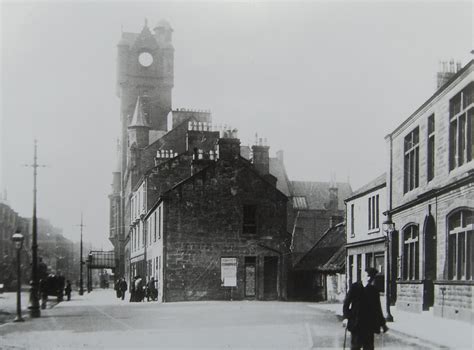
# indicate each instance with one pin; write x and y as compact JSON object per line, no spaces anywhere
{"x":320,"y":274}
{"x":430,"y":186}
{"x":10,"y":222}
{"x":365,"y":237}
{"x":314,"y":207}
{"x":216,"y":229}
{"x":144,"y":84}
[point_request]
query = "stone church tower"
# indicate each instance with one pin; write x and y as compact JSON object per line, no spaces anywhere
{"x":144,"y":85}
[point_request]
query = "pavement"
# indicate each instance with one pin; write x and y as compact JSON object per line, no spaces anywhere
{"x":432,"y":330}
{"x":101,"y":321}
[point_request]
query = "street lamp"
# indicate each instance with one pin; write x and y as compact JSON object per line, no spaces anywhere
{"x":388,"y":227}
{"x":17,"y":239}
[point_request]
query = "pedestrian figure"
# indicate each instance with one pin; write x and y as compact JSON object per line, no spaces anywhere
{"x":68,"y":290}
{"x":133,"y":293}
{"x":123,"y":287}
{"x":117,"y":289}
{"x":139,"y":292}
{"x":362,"y":311}
{"x":151,"y":291}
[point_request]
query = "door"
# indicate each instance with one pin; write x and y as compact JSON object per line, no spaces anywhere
{"x":270,"y":278}
{"x":429,"y":262}
{"x":250,"y":276}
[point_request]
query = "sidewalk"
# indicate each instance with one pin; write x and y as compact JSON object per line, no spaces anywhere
{"x":425,"y":326}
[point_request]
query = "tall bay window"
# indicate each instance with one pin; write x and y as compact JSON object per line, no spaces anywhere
{"x":411,"y":253}
{"x":411,"y":164}
{"x":431,"y":148}
{"x":461,"y":245}
{"x":461,"y":128}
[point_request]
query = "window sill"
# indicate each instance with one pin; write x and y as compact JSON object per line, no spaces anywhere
{"x":374,"y":230}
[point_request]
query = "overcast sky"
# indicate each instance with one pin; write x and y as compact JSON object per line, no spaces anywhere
{"x":325,"y":82}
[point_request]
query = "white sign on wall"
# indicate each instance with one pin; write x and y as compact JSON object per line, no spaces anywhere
{"x":229,"y":272}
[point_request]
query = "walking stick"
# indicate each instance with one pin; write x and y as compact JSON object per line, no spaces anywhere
{"x":345,"y":336}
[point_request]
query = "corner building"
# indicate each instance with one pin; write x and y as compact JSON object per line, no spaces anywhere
{"x":430,"y":186}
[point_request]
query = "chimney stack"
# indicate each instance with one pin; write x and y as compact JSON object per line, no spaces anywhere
{"x":229,"y":148}
{"x":446,"y":71}
{"x":261,"y":159}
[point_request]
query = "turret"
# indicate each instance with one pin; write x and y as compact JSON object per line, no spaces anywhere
{"x":163,"y":32}
{"x":139,"y":129}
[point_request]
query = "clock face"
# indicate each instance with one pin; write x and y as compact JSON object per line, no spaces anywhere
{"x":145,"y":59}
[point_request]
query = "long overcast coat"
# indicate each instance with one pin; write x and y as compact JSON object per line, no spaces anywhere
{"x":363,"y":310}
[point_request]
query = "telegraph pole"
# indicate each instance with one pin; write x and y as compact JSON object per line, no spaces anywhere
{"x":34,"y":283}
{"x":81,"y":286}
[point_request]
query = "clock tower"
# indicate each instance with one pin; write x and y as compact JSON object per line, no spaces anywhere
{"x":144,"y":83}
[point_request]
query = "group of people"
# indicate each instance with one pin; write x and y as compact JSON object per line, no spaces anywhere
{"x":139,"y":290}
{"x":51,"y":284}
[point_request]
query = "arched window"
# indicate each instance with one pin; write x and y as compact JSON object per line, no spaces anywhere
{"x":411,"y":253}
{"x":460,"y":245}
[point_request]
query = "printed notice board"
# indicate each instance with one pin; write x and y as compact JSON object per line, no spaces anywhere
{"x":229,"y":272}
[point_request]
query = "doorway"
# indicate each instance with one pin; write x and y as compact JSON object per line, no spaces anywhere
{"x":429,"y":235}
{"x":270,"y":278}
{"x":250,"y":276}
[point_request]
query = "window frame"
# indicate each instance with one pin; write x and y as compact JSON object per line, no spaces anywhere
{"x":461,"y":128}
{"x":411,"y":253}
{"x":249,"y":227}
{"x":411,"y":160}
{"x":460,"y":266}
{"x":431,"y":148}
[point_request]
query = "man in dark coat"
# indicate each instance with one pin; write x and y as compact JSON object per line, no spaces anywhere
{"x":123,"y":287}
{"x":362,"y":312}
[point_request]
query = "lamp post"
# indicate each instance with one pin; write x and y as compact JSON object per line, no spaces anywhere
{"x":17,"y":239}
{"x":34,"y":289}
{"x":388,"y":228}
{"x":81,"y":263}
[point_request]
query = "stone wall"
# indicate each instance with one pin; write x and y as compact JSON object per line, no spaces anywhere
{"x":410,"y":296}
{"x":204,"y":221}
{"x":454,"y":301}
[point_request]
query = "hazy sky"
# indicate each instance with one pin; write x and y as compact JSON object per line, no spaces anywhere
{"x":323,"y":81}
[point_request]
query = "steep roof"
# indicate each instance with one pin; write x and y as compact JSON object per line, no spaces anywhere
{"x":277,"y":169}
{"x":139,"y":118}
{"x":326,"y":253}
{"x":317,"y":193}
{"x":379,"y":181}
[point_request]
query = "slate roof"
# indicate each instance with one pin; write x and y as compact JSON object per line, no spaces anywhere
{"x":328,"y":253}
{"x":317,"y":193}
{"x":379,"y":181}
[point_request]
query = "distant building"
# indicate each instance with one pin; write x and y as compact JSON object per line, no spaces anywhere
{"x":365,"y":237}
{"x":10,"y":222}
{"x":314,"y":207}
{"x":320,"y":274}
{"x":431,"y":199}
